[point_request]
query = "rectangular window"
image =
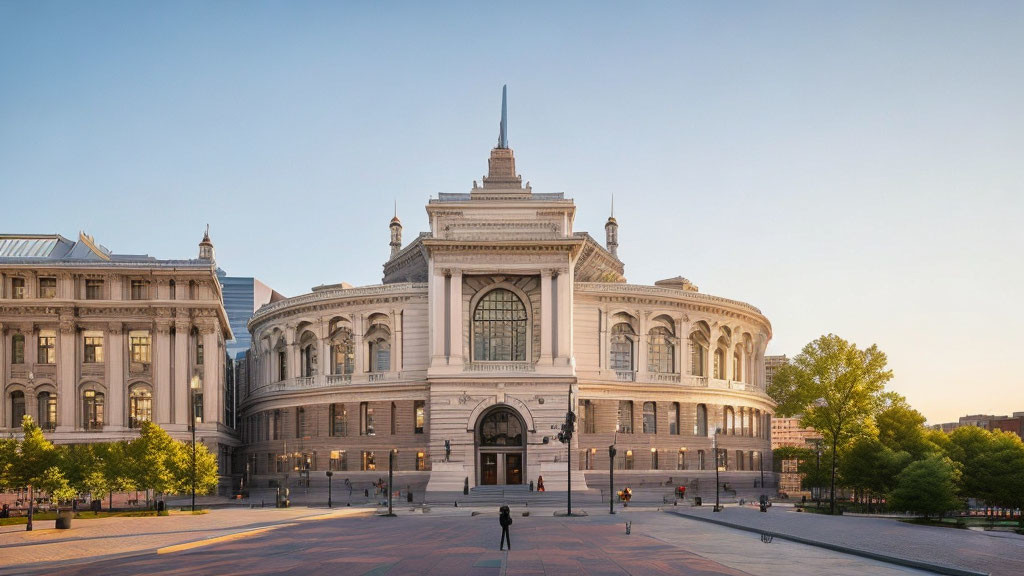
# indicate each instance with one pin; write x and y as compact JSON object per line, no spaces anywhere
{"x":282,"y":365}
{"x":18,"y":288}
{"x":681,"y":459}
{"x":654,"y":459}
{"x":421,"y":461}
{"x":673,"y":419}
{"x":300,"y":422}
{"x":93,"y":347}
{"x":138,"y":290}
{"x":339,"y":420}
{"x":47,"y":287}
{"x":650,"y":418}
{"x":629,"y":460}
{"x":18,"y":349}
{"x":625,"y":417}
{"x":369,"y":462}
{"x":47,"y":347}
{"x":421,"y":416}
{"x":589,"y":421}
{"x":338,"y":460}
{"x":281,"y":464}
{"x":139,"y":345}
{"x":366,"y":427}
{"x":94,"y":289}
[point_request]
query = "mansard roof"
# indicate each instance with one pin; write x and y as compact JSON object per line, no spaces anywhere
{"x":56,"y":250}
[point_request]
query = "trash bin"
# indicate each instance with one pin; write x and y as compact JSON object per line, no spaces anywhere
{"x":697,"y":501}
{"x":5,"y":511}
{"x":96,"y":505}
{"x":160,"y":506}
{"x":64,"y":519}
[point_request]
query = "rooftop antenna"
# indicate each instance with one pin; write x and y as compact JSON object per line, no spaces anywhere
{"x":396,"y":207}
{"x":613,"y":206}
{"x":503,"y":130}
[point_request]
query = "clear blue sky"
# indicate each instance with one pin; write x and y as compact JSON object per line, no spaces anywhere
{"x":851,"y":168}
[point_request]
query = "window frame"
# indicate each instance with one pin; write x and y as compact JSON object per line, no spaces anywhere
{"x":500,"y":327}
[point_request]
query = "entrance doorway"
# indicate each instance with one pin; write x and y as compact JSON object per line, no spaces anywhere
{"x":501,"y":448}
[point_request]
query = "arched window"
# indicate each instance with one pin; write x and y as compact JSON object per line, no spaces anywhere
{"x":47,"y":405}
{"x":282,"y":360}
{"x":719,"y":367}
{"x":140,"y":405}
{"x":660,"y":351}
{"x":18,"y":349}
{"x":17,"y":408}
{"x":701,"y":427}
{"x":699,"y":343}
{"x":380,"y":355}
{"x":650,"y":418}
{"x":622,"y":347}
{"x":344,"y":353}
{"x":499,"y":328}
{"x":673,"y":419}
{"x":729,"y":421}
{"x":339,"y":420}
{"x":624,"y":422}
{"x":737,"y":369}
{"x":92,"y":410}
{"x":501,"y":428}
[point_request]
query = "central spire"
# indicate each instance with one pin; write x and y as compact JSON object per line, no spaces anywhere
{"x":503,"y":128}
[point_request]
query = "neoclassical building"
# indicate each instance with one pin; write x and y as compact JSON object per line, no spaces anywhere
{"x":465,"y":358}
{"x":93,"y":343}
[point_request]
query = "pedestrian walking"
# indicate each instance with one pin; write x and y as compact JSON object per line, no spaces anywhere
{"x":540,"y":483}
{"x":505,"y":519}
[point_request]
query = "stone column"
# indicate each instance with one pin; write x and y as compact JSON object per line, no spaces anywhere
{"x":679,"y":349}
{"x":546,"y":321}
{"x":325,"y":348}
{"x":357,"y":343}
{"x":114,"y":348}
{"x":4,"y":368}
{"x":456,"y":324}
{"x":709,"y":359}
{"x":66,"y":385}
{"x":565,"y":317}
{"x":602,"y":362}
{"x":211,"y":375}
{"x":162,"y":373}
{"x":437,"y":298}
{"x":182,"y":370}
{"x":397,"y":363}
{"x":641,"y":344}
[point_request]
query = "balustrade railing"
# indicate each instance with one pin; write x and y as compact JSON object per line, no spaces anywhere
{"x":499,"y":367}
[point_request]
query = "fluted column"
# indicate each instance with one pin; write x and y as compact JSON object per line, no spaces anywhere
{"x":211,"y":375}
{"x":66,"y":393}
{"x":4,"y":368}
{"x":162,"y":373}
{"x":357,"y":343}
{"x":437,"y":297}
{"x":455,"y":323}
{"x":546,"y":321}
{"x":114,"y":347}
{"x":565,"y":317}
{"x":397,"y":363}
{"x":641,"y":344}
{"x":603,"y":338}
{"x":182,"y":371}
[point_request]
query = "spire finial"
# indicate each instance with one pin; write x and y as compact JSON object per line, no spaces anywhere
{"x":613,"y":206}
{"x":503,"y":129}
{"x":396,"y":207}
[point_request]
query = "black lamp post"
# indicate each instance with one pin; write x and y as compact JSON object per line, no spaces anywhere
{"x":611,"y":479}
{"x":391,"y":476}
{"x":193,"y":386}
{"x":330,"y":503}
{"x":714,"y":448}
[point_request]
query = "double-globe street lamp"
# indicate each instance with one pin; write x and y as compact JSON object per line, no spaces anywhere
{"x":193,"y":389}
{"x":714,"y":448}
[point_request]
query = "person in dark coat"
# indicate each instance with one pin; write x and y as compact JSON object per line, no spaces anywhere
{"x":505,"y":519}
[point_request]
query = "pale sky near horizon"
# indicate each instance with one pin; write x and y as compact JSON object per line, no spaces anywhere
{"x":852,"y":168}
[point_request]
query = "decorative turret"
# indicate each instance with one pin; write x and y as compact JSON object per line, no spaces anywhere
{"x":611,"y":232}
{"x":501,"y":167}
{"x":206,"y":246}
{"x":396,"y":233}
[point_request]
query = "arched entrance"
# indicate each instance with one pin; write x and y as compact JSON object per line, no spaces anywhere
{"x":501,"y":447}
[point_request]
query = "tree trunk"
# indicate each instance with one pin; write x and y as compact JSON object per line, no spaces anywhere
{"x":832,"y":490}
{"x":28,"y":525}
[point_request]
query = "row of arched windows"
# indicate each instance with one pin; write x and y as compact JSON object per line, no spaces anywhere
{"x":752,"y":422}
{"x":93,"y":403}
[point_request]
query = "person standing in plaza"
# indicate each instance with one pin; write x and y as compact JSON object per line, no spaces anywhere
{"x":505,"y":519}
{"x":540,"y":483}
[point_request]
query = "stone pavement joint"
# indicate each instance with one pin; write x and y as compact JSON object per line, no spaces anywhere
{"x":219,"y":539}
{"x":908,"y":562}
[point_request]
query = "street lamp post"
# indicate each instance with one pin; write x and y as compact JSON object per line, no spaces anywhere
{"x":611,"y":479}
{"x":330,"y":502}
{"x":714,"y":448}
{"x":391,"y":476}
{"x":193,"y":387}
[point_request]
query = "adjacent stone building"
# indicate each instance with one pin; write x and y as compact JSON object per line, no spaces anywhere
{"x":93,"y":343}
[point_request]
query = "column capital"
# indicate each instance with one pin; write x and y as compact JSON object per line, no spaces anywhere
{"x":115,"y":328}
{"x":163,"y":326}
{"x":67,"y":326}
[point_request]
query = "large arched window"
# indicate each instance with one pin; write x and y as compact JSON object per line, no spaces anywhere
{"x":92,"y":410}
{"x":380,"y":355}
{"x":499,"y":328}
{"x":719,"y":367}
{"x":140,"y":405}
{"x":17,"y":408}
{"x":699,"y":343}
{"x":308,"y":360}
{"x":501,"y":428}
{"x":729,"y":421}
{"x":660,"y":351}
{"x":650,"y":418}
{"x":47,"y":405}
{"x":621,"y":351}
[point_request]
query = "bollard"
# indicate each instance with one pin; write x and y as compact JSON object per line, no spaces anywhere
{"x":629,"y":526}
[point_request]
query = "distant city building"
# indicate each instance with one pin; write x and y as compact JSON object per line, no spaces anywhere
{"x":243,"y":296}
{"x":789,"y":432}
{"x":979,"y":420}
{"x":94,"y":343}
{"x":1013,"y":424}
{"x":771,"y":363}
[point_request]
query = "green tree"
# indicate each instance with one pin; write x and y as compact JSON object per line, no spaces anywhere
{"x":150,"y":458}
{"x":1005,"y":464}
{"x":971,"y":448}
{"x":116,"y":467}
{"x":871,"y":466}
{"x":927,"y":487}
{"x":837,"y":387}
{"x":901,"y":429}
{"x":206,"y":473}
{"x":56,"y":485}
{"x":35,"y":455}
{"x":8,"y":454}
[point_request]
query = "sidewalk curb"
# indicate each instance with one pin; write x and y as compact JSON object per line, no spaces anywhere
{"x":937,"y":568}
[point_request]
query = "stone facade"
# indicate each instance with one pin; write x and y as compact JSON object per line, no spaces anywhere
{"x":465,"y":358}
{"x":92,"y":343}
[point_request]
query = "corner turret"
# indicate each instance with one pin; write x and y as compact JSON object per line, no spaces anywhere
{"x":206,"y":247}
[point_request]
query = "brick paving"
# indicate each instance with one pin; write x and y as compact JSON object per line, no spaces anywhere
{"x":1000,"y":554}
{"x":446,"y":541}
